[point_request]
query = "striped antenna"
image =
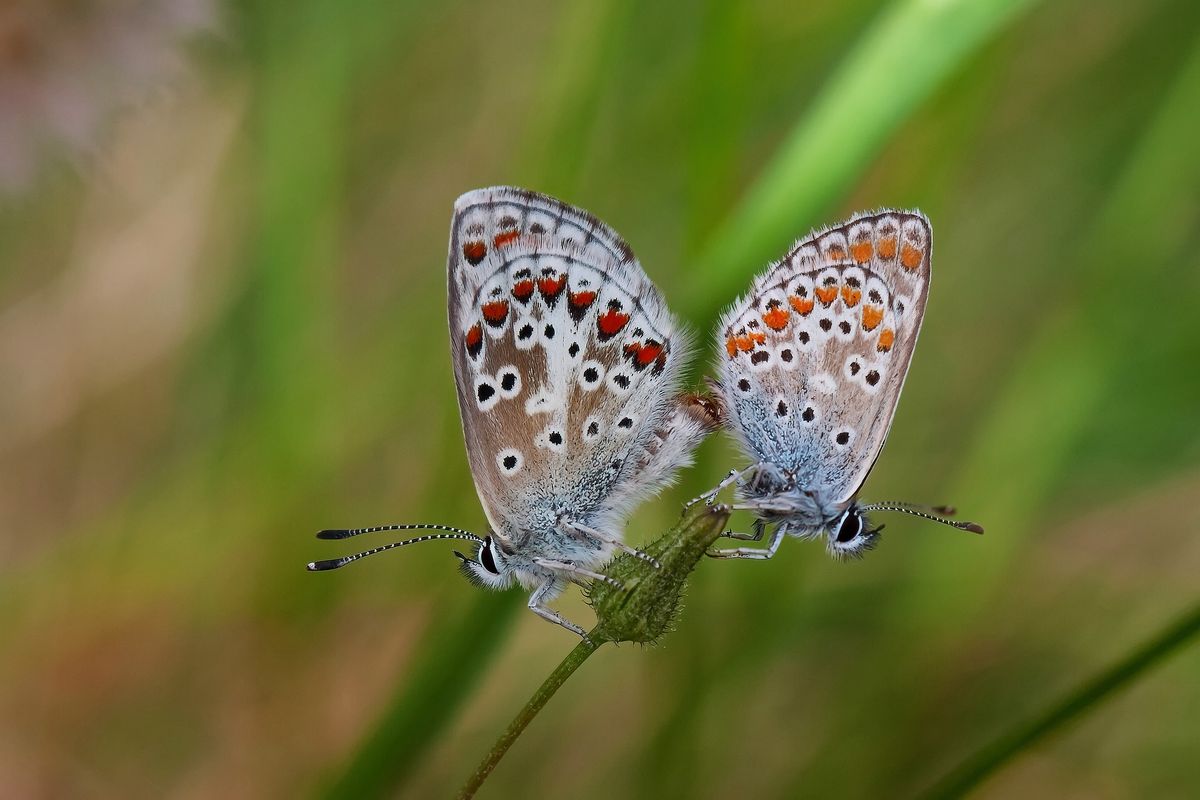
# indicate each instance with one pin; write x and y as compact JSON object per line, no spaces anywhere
{"x":334,"y":563}
{"x":925,"y":512}
{"x":346,"y":533}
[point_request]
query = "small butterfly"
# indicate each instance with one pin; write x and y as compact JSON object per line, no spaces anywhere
{"x":568,"y":366}
{"x":811,"y":364}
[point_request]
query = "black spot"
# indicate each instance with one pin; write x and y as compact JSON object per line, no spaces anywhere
{"x":508,"y":381}
{"x":638,"y":333}
{"x":830,"y":280}
{"x":809,"y":415}
{"x":625,"y":422}
{"x":781,"y":409}
{"x":899,"y":307}
{"x":874,"y":296}
{"x":537,"y":227}
{"x":621,"y":380}
{"x":759,"y":357}
{"x":508,"y":222}
{"x":802,"y":337}
{"x":549,"y":331}
{"x":801,"y":292}
{"x":826,"y":324}
{"x":853,"y":282}
{"x":850,"y":528}
{"x":855,"y":367}
{"x":510,"y":462}
{"x":744,"y":385}
{"x":525,"y":332}
{"x":872,"y":377}
{"x":590,"y":375}
{"x":555,"y":438}
{"x":844,"y":326}
{"x":573,"y":350}
{"x":843,"y":438}
{"x":786,"y":355}
{"x":485,"y":391}
{"x":593,"y":429}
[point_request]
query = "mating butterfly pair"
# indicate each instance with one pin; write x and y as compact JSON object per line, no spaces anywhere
{"x":569,"y":367}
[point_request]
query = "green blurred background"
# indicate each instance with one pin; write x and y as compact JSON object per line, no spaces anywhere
{"x":222,"y":327}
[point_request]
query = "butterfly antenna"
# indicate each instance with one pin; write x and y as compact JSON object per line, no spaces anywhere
{"x":944,"y":511}
{"x":346,"y":533}
{"x":926,"y":512}
{"x":334,"y":563}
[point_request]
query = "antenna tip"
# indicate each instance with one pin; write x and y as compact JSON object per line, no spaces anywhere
{"x":333,"y":533}
{"x":322,"y":566}
{"x":972,"y":527}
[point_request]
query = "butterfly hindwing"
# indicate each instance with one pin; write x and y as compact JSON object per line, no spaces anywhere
{"x":565,"y":357}
{"x":813,"y":359}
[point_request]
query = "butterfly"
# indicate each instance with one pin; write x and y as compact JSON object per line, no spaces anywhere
{"x":811,"y":364}
{"x":568,"y":366}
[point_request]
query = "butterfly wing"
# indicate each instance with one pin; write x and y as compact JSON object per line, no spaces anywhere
{"x":565,"y":356}
{"x":814,"y":357}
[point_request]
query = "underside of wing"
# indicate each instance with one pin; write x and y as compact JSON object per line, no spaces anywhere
{"x":565,"y":358}
{"x":814,"y":357}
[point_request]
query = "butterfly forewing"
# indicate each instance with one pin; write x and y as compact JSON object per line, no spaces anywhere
{"x":565,"y":357}
{"x":813,"y":359}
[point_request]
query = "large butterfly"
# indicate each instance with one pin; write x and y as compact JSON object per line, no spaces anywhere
{"x":568,"y":366}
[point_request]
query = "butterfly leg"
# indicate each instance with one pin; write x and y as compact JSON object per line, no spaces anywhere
{"x":536,"y":605}
{"x":576,"y":571}
{"x":583,"y":531}
{"x":733,"y":476}
{"x":760,"y":528}
{"x":753,"y":552}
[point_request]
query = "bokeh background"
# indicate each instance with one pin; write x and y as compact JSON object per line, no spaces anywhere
{"x":222,"y":327}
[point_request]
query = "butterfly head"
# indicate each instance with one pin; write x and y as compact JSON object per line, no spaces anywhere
{"x":850,"y":535}
{"x":489,"y":567}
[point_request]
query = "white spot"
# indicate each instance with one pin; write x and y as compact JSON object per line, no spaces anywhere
{"x":591,"y":375}
{"x":511,"y":375}
{"x":525,"y":333}
{"x":510,"y":461}
{"x":842,"y":438}
{"x":551,"y":438}
{"x":786,"y":357}
{"x":542,"y":403}
{"x":832,"y":240}
{"x":824,"y":383}
{"x":487,"y":393}
{"x":806,"y":258}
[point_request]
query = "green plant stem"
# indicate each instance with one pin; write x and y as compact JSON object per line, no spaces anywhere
{"x":978,"y":767}
{"x":547,"y":690}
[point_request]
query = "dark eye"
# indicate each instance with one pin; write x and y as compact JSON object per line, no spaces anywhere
{"x":486,"y":558}
{"x":851,"y":527}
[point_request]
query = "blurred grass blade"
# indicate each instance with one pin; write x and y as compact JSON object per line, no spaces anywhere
{"x":991,"y":758}
{"x":1072,"y":364}
{"x":911,"y":50}
{"x":449,"y":664}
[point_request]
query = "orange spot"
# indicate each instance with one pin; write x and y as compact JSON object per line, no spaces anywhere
{"x":495,"y":311}
{"x":552,"y":287}
{"x":871,"y":317}
{"x":506,"y":237}
{"x":474,"y":251}
{"x":754,"y":338}
{"x":835,"y":253}
{"x":861,"y":251}
{"x":647,"y":353}
{"x":910,"y":257}
{"x":776,"y":318}
{"x":826,"y":294}
{"x":803,"y":305}
{"x":611,"y":322}
{"x":887,"y":247}
{"x":582,"y":299}
{"x":851,"y":296}
{"x":474,"y":338}
{"x":731,"y":346}
{"x":523,"y":290}
{"x":886,"y":339}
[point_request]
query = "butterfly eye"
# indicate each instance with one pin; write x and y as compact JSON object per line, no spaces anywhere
{"x":850,"y":528}
{"x":486,"y":558}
